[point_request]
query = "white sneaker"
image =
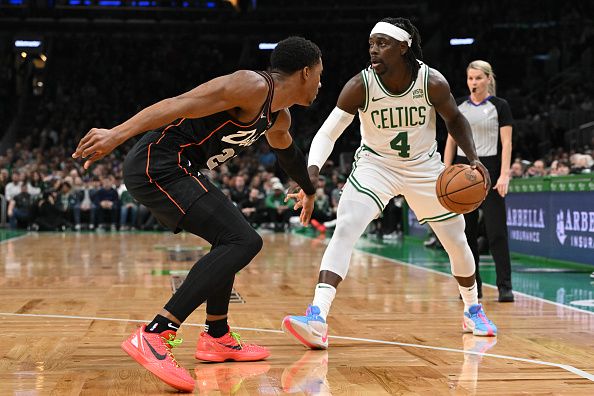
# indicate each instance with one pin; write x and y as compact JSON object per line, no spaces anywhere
{"x":310,"y":330}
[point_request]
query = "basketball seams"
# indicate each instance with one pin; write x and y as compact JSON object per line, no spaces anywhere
{"x":440,"y":179}
{"x":463,"y":188}
{"x":475,"y":204}
{"x":449,"y":199}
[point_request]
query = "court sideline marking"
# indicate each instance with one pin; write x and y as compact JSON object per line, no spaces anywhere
{"x":14,"y":238}
{"x":566,"y":367}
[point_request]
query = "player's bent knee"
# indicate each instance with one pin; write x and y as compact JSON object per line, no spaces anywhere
{"x":253,"y":243}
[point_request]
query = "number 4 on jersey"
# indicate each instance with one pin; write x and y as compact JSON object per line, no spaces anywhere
{"x":400,"y":144}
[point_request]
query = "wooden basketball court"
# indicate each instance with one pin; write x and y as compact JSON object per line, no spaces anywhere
{"x":68,"y":300}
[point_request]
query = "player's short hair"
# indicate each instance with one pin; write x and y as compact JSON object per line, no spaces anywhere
{"x":293,"y":54}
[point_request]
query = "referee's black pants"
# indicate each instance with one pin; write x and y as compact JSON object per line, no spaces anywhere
{"x":494,"y":215}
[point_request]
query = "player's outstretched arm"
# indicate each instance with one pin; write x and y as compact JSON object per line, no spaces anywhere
{"x":351,"y":98}
{"x":216,"y":95}
{"x":457,"y":125}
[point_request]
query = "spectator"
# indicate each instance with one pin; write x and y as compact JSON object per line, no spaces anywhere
{"x":84,"y":204}
{"x":279,"y":210}
{"x":391,"y":220}
{"x":4,"y":180}
{"x":128,"y":205}
{"x":253,"y":208}
{"x":563,"y":168}
{"x":516,"y":170}
{"x":48,"y":217}
{"x":537,"y":169}
{"x":321,"y":211}
{"x":37,"y":181}
{"x":239,"y":192}
{"x":106,"y":200}
{"x":19,"y":208}
{"x":14,"y":187}
{"x":66,"y":201}
{"x":266,"y":157}
{"x":581,"y":163}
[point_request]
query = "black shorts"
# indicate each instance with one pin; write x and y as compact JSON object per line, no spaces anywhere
{"x":162,"y":180}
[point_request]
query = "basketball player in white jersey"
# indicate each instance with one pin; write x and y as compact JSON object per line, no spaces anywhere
{"x":396,"y":98}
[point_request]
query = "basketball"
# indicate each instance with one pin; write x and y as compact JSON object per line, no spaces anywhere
{"x":460,"y":188}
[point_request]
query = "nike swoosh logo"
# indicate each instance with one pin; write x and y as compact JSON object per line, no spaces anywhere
{"x":172,"y":326}
{"x":431,"y":155}
{"x":236,"y":347}
{"x":157,"y":354}
{"x":376,"y":99}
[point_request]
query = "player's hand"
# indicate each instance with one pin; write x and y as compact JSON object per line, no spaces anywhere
{"x":305,"y":202}
{"x":478,"y":165}
{"x":502,"y":185}
{"x":96,"y":144}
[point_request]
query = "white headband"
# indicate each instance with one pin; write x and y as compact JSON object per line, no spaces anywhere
{"x":393,"y":31}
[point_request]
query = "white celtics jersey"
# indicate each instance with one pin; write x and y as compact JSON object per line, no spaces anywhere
{"x":400,"y":127}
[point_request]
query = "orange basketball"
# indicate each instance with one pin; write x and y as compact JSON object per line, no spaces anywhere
{"x":460,"y":188}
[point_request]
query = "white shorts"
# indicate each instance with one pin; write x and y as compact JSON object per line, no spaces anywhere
{"x":381,"y":179}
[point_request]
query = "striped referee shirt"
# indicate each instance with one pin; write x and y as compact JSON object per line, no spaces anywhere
{"x":485,"y":119}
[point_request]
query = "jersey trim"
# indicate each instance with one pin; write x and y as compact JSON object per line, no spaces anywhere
{"x":366,"y":191}
{"x":366,"y":147}
{"x":439,"y":218}
{"x":270,"y":82}
{"x":148,"y":159}
{"x":427,"y":86}
{"x":364,"y":75}
{"x":359,"y":187}
{"x":412,"y":84}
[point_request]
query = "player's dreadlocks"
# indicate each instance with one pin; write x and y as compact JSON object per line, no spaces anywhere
{"x":414,"y":52}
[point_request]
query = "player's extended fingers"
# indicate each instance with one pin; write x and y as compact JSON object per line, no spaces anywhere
{"x":305,"y":216}
{"x":292,"y":196}
{"x":297,"y":205}
{"x":83,"y":142}
{"x":78,"y":152}
{"x":95,"y":157}
{"x":89,"y":148}
{"x":486,"y":177}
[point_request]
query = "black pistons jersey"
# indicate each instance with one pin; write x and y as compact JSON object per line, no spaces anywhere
{"x":213,"y":140}
{"x":162,"y":169}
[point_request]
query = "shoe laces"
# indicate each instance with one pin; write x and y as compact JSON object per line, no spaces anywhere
{"x":236,"y":337}
{"x":313,"y":313}
{"x":171,"y":343}
{"x":480,"y":313}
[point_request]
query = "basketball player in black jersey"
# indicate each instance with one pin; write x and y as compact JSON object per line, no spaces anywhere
{"x":199,"y":129}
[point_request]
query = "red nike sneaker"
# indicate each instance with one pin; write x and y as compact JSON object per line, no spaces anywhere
{"x":153,"y":351}
{"x":228,"y":347}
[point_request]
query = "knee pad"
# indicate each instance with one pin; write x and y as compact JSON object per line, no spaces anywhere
{"x":451,"y":235}
{"x":352,"y":219}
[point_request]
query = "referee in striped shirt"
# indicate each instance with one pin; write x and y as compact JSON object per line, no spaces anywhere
{"x":491,"y":121}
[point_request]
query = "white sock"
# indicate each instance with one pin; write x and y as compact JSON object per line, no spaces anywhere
{"x":323,"y":298}
{"x":469,"y":295}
